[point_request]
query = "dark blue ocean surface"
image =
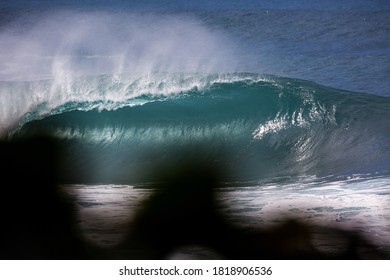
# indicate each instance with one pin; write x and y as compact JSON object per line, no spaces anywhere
{"x":201,"y":5}
{"x":289,"y":99}
{"x":282,"y":89}
{"x":343,"y":44}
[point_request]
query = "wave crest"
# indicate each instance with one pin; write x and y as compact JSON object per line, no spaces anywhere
{"x":268,"y":126}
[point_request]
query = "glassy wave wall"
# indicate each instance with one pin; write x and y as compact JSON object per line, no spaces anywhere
{"x":257,"y":127}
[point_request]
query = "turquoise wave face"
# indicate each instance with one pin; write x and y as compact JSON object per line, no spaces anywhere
{"x":256,"y":127}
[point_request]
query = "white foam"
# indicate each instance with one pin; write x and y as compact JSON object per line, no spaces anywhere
{"x":65,"y":47}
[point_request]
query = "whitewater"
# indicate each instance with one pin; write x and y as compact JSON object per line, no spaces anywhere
{"x":292,"y":103}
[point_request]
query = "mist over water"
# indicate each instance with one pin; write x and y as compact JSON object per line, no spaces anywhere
{"x":43,"y":57}
{"x":89,"y":43}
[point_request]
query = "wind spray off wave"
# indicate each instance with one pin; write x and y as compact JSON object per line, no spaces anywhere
{"x":52,"y":54}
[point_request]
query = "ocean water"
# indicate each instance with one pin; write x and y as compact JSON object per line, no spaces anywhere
{"x":292,"y":100}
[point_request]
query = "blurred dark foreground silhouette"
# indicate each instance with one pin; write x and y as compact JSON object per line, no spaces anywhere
{"x":39,"y":221}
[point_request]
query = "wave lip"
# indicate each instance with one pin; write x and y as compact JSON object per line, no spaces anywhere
{"x":256,"y":126}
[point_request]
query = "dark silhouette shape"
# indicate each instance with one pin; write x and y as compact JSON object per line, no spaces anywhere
{"x":38,"y":220}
